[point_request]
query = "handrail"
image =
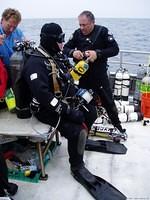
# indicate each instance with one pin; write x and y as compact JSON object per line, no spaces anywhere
{"x":136,"y":52}
{"x":121,"y":58}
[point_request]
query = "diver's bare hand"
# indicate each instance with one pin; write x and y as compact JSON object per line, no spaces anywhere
{"x":91,"y":55}
{"x":78,"y":55}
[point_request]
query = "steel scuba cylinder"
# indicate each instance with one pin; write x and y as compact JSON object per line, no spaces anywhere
{"x":135,"y":116}
{"x":123,"y":117}
{"x":16,"y":64}
{"x":140,"y":75}
{"x":125,"y":85}
{"x":130,"y":117}
{"x":122,"y":83}
{"x":118,"y":84}
{"x":126,"y":108}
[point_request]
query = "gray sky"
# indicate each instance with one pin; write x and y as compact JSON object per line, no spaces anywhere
{"x":70,"y":8}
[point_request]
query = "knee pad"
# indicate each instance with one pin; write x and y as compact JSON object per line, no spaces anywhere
{"x":81,"y":141}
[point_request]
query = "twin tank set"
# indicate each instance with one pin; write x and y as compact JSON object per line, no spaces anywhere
{"x":140,"y":106}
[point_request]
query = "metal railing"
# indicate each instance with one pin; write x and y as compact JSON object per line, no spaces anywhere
{"x":122,"y":61}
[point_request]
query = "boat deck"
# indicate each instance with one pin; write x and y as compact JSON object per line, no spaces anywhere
{"x":130,"y":173}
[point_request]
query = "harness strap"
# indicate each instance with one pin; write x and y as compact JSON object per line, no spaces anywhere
{"x":97,"y":34}
{"x":57,"y":91}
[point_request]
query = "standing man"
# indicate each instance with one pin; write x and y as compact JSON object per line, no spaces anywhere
{"x":96,"y":44}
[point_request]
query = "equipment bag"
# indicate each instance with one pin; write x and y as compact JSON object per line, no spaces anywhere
{"x":3,"y":79}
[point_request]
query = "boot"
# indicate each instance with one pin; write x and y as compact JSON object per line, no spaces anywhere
{"x":122,"y":132}
{"x":12,"y":189}
{"x":3,"y":194}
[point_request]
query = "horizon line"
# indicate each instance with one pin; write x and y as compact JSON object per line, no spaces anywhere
{"x":95,"y":18}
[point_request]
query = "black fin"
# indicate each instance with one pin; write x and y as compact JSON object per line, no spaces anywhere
{"x":96,"y":186}
{"x":105,"y":146}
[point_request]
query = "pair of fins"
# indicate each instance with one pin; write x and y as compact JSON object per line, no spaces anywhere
{"x":99,"y":188}
{"x":105,"y":146}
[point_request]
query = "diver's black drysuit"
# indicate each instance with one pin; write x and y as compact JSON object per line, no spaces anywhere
{"x":96,"y":78}
{"x":37,"y":72}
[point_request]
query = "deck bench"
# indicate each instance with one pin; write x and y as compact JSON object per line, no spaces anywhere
{"x":31,"y":128}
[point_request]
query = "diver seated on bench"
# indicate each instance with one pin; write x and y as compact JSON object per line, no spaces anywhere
{"x":52,"y":92}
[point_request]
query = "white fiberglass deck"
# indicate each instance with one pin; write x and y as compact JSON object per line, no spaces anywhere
{"x":130,"y":173}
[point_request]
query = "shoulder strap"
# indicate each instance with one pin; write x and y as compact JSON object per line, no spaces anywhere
{"x":57,"y":91}
{"x":97,"y":34}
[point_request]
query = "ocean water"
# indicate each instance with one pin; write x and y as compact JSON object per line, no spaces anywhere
{"x":131,"y":34}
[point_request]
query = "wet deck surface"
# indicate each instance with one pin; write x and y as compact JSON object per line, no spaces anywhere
{"x":130,"y":173}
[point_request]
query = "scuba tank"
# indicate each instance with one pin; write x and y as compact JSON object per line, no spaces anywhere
{"x":22,"y":97}
{"x":79,"y":69}
{"x":145,"y":85}
{"x":22,"y":51}
{"x":16,"y":65}
{"x":140,"y":75}
{"x":122,"y":83}
{"x":126,"y":108}
{"x":125,"y":85}
{"x":118,"y":84}
{"x":130,"y":117}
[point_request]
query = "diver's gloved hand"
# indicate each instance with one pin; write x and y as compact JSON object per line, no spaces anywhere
{"x":71,"y":114}
{"x":76,"y":116}
{"x":63,"y":109}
